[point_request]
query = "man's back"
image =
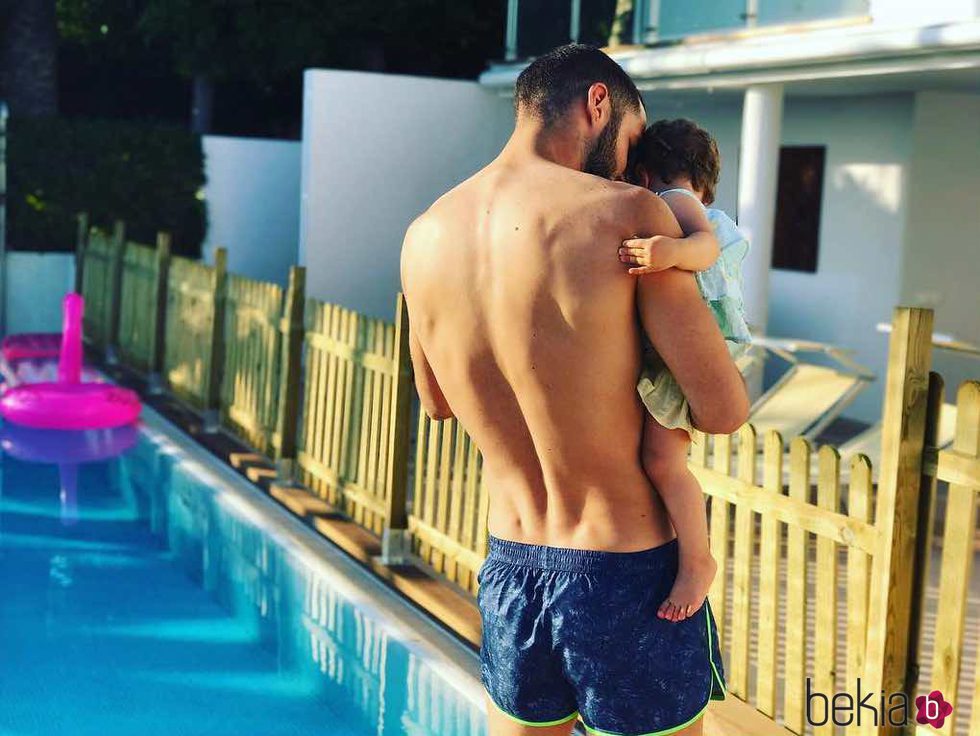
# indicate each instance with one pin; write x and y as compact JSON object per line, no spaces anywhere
{"x":524,"y":326}
{"x":527,"y":320}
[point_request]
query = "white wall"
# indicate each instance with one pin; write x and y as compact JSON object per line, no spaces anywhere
{"x":377,"y":150}
{"x":858,"y":276}
{"x":908,"y":12}
{"x":36,"y":283}
{"x":252,"y":194}
{"x":365,"y":177}
{"x":942,"y":240}
{"x":862,"y":222}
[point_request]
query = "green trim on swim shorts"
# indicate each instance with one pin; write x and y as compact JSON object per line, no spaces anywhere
{"x":566,"y":719}
{"x":664,"y":732}
{"x":696,"y":716}
{"x":714,"y":669}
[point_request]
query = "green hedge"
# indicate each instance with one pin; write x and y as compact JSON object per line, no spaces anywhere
{"x":146,"y":174}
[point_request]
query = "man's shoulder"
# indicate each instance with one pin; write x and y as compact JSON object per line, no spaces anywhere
{"x":441,"y":212}
{"x":420,"y":245}
{"x":634,"y":207}
{"x":428,"y":225}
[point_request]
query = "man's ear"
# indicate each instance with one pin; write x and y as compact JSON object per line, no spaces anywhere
{"x":599,"y":104}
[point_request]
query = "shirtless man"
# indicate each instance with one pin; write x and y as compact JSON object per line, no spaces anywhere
{"x":524,"y":327}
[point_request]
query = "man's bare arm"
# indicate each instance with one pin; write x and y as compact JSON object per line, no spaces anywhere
{"x":684,"y":333}
{"x":430,"y":393}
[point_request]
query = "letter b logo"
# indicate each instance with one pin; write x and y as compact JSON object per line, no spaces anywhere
{"x":933,"y":709}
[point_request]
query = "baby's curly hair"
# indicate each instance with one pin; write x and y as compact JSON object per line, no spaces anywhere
{"x":672,"y":148}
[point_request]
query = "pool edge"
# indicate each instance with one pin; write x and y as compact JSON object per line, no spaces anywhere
{"x":456,"y":662}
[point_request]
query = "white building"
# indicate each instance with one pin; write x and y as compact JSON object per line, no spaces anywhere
{"x":873,"y":108}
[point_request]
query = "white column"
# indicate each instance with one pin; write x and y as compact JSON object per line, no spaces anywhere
{"x":575,"y":30}
{"x":762,"y":117}
{"x":510,"y":51}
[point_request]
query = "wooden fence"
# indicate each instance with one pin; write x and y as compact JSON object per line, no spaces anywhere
{"x":353,"y":434}
{"x":192,"y":359}
{"x":948,"y":621}
{"x":448,"y":522}
{"x":816,"y":576}
{"x":821,"y":582}
{"x":99,"y":284}
{"x":250,"y":382}
{"x":142,"y":288}
{"x":220,"y":339}
{"x":779,"y":555}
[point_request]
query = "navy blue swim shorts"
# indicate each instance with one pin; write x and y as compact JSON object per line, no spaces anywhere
{"x":569,"y":632}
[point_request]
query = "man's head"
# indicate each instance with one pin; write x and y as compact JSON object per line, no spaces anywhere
{"x":578,"y":90}
{"x":675,"y":150}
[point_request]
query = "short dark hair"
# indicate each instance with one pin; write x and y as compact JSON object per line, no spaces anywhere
{"x":672,"y":148}
{"x":549,"y":85}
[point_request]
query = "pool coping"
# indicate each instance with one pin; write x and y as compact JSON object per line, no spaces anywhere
{"x":456,"y":663}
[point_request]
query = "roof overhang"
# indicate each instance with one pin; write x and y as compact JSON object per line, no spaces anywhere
{"x":801,"y":56}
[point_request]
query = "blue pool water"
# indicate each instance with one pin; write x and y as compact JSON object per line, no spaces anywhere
{"x":155,"y":597}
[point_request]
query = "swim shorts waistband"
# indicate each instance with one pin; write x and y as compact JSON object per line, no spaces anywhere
{"x":580,"y":560}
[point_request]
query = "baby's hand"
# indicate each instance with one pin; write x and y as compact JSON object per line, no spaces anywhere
{"x":649,"y":255}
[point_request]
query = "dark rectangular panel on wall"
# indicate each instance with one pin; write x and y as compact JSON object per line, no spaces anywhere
{"x":796,"y":235}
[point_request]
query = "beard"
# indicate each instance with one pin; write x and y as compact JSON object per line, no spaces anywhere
{"x":600,"y":158}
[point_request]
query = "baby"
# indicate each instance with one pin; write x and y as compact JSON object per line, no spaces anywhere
{"x":679,"y":161}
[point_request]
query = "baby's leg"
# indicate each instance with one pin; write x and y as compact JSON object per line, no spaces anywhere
{"x":665,"y":461}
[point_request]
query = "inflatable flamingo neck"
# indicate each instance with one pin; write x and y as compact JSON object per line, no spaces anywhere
{"x":70,"y":360}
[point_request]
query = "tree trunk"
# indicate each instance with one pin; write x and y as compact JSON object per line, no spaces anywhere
{"x":202,"y":104}
{"x":30,"y":58}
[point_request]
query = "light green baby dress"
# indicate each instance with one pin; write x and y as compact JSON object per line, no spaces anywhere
{"x":721,"y":288}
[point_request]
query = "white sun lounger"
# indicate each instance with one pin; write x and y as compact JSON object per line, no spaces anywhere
{"x":809,"y":396}
{"x":868,"y":442}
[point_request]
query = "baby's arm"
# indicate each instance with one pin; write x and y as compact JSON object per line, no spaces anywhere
{"x":697,"y":251}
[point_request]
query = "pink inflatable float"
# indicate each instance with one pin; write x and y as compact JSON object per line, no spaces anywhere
{"x":68,"y":403}
{"x":30,"y":346}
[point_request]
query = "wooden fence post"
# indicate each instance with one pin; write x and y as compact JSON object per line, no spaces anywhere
{"x":290,"y":363}
{"x":115,"y":292}
{"x":956,"y":568}
{"x":902,"y":443}
{"x":212,"y":395}
{"x":159,"y":328}
{"x":394,"y":540}
{"x":924,"y":532}
{"x":81,"y":240}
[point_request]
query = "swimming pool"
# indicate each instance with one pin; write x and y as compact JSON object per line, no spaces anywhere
{"x":165,"y":595}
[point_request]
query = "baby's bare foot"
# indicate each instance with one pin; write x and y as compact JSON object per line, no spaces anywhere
{"x":694,"y":576}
